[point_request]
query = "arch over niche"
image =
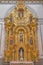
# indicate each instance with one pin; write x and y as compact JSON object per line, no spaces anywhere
{"x":21,"y":28}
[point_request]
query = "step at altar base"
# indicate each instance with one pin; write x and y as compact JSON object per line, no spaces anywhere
{"x":21,"y":63}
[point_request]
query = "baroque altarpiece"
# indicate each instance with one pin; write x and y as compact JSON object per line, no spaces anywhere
{"x":21,"y":35}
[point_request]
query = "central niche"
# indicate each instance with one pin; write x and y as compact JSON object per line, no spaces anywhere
{"x":21,"y":54}
{"x":21,"y":35}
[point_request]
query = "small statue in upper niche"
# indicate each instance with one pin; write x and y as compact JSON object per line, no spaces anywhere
{"x":30,"y":18}
{"x":20,"y":13}
{"x":31,"y":41}
{"x":11,"y":18}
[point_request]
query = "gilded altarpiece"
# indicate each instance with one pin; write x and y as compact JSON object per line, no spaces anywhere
{"x":21,"y":35}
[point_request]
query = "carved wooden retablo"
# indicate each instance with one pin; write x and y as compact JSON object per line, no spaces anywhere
{"x":21,"y":35}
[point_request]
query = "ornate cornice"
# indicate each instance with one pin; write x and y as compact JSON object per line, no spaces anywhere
{"x":15,"y":1}
{"x":40,"y":20}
